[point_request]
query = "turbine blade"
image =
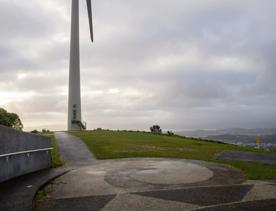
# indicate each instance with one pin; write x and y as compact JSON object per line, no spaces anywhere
{"x":89,"y":8}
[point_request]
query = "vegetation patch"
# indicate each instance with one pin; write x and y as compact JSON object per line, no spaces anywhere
{"x":106,"y":144}
{"x":56,"y":161}
{"x":40,"y":195}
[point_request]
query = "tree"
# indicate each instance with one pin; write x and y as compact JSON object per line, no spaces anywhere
{"x":156,"y":129}
{"x":34,"y":131}
{"x":10,"y":120}
{"x":45,"y":131}
{"x":170,"y":133}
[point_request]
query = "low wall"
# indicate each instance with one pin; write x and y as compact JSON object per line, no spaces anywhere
{"x":22,"y":153}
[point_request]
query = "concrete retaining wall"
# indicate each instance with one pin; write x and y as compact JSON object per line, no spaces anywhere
{"x":13,"y":141}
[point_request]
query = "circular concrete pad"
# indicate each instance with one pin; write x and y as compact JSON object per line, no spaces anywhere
{"x":171,"y":172}
{"x":109,"y":177}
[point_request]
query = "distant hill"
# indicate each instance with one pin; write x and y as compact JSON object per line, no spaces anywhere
{"x":237,"y":136}
{"x":268,"y":142}
{"x":243,"y":138}
{"x":230,"y":131}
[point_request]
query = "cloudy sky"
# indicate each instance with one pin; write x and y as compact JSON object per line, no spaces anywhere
{"x":183,"y":64}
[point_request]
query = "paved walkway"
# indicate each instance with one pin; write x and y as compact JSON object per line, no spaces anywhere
{"x":73,"y":151}
{"x":150,"y":184}
{"x":17,"y":194}
{"x":248,"y":157}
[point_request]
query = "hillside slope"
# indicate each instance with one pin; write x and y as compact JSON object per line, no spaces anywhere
{"x":123,"y":144}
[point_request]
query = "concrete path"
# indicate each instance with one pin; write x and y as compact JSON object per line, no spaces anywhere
{"x":248,"y":157}
{"x":233,"y":197}
{"x":17,"y":194}
{"x":73,"y":151}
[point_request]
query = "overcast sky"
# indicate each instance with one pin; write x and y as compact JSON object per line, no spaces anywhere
{"x":182,"y":64}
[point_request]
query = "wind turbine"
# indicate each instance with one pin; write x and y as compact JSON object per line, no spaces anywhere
{"x":74,"y":99}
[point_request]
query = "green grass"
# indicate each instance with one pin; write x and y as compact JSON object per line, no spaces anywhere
{"x":40,"y":195}
{"x":56,"y":162}
{"x":120,"y":144}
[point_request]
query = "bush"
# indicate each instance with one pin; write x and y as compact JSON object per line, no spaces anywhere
{"x":170,"y":133}
{"x":35,"y":131}
{"x":45,"y":131}
{"x":156,"y":129}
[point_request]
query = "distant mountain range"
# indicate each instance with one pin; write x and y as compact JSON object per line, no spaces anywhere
{"x":230,"y":131}
{"x":243,"y":139}
{"x":237,"y":136}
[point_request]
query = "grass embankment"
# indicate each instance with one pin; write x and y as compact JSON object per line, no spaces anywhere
{"x":56,"y":161}
{"x":119,"y":144}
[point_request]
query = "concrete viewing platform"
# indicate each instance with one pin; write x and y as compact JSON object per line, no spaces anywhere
{"x":150,"y":184}
{"x":156,"y":184}
{"x":142,"y":174}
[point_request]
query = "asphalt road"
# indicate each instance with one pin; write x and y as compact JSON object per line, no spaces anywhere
{"x":248,"y":157}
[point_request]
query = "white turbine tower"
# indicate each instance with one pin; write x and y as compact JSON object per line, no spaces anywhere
{"x":74,"y":99}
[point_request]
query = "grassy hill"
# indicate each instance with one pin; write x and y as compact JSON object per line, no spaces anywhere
{"x":122,"y":144}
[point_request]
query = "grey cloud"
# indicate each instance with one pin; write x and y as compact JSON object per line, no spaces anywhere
{"x":181,"y":64}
